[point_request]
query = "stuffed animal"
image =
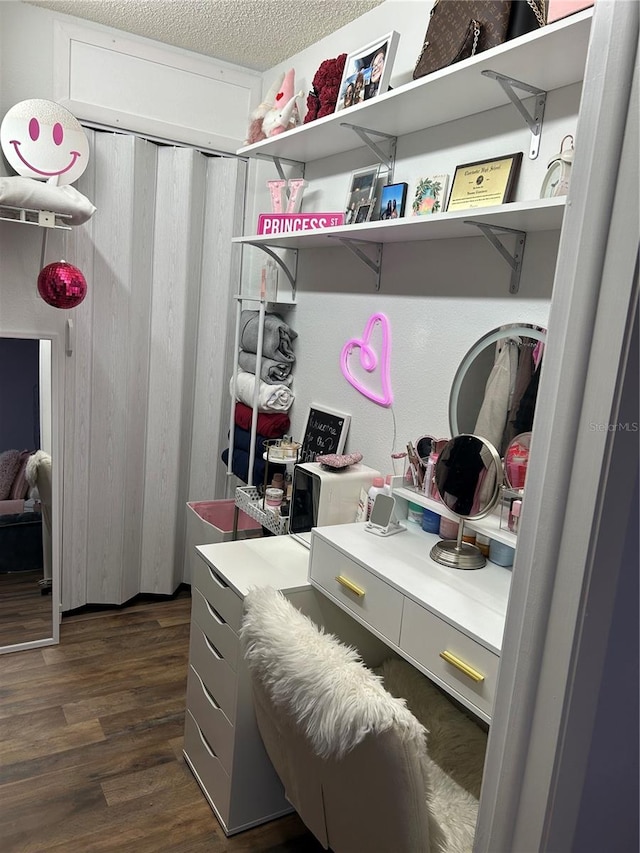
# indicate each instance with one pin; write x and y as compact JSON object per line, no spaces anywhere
{"x":255,"y":133}
{"x":321,"y":101}
{"x":284,"y":113}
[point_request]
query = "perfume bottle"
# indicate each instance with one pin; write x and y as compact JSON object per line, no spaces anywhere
{"x":514,"y":516}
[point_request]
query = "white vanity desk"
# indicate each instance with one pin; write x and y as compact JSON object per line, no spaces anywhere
{"x":390,"y":595}
{"x":448,"y":623}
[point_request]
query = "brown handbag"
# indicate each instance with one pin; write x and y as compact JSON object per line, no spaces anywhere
{"x":459,"y":29}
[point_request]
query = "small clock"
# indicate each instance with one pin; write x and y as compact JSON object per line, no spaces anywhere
{"x":556,"y":181}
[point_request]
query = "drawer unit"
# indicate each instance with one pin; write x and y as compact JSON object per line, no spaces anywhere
{"x":215,"y":672}
{"x":213,"y":626}
{"x":222,"y":744}
{"x":224,"y":600}
{"x":456,"y":661}
{"x":207,"y":768}
{"x":213,"y":722}
{"x":356,"y":589}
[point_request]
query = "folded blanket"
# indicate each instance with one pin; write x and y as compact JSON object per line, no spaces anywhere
{"x":269,"y":425}
{"x":242,"y":440}
{"x":277,"y":339}
{"x":272,"y":372}
{"x":36,"y":195}
{"x":271,"y":398}
{"x":240,"y":466}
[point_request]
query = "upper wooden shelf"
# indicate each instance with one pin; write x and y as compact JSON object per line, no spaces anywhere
{"x":549,"y":58}
{"x":528,"y":216}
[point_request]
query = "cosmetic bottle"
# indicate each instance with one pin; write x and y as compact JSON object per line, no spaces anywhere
{"x":448,"y":528}
{"x":414,"y":512}
{"x":501,"y":554}
{"x":482,"y":543}
{"x":433,"y":489}
{"x":387,"y":484}
{"x":514,"y":516}
{"x":430,"y":521}
{"x":377,"y":488}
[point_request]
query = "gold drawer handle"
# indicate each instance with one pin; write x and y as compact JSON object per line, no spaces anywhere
{"x":462,"y":666}
{"x":350,"y":586}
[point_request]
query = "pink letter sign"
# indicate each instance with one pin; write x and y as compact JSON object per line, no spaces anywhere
{"x":369,"y":360}
{"x":286,"y":223}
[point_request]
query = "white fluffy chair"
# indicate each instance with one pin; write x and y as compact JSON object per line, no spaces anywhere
{"x":363,"y":771}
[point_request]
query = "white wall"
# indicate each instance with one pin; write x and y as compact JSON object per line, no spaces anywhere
{"x":440,"y":297}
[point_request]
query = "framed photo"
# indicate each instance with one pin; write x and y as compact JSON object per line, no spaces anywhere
{"x":325,"y":432}
{"x":393,"y":199}
{"x":430,"y":195}
{"x":367,"y":71}
{"x":363,"y":214}
{"x":361,"y":191}
{"x":485,"y":183}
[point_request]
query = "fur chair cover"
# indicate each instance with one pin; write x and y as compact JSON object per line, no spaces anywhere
{"x":317,"y":677}
{"x":337,"y":702}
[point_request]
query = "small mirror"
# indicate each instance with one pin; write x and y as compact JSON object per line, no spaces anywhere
{"x":468,"y":477}
{"x":495,"y":388}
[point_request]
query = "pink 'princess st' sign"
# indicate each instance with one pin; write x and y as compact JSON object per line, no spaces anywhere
{"x":287,"y":223}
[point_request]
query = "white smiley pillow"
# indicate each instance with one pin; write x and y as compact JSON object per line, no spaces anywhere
{"x":49,"y":150}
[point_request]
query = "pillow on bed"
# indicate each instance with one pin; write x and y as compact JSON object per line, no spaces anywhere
{"x":9,"y":467}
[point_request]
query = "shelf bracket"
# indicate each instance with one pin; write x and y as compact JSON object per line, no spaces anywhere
{"x":515,"y":260}
{"x":374,"y":264}
{"x":534,"y":122}
{"x":387,"y":160}
{"x":290,"y":273}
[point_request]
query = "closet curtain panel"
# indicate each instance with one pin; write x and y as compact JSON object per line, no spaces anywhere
{"x":138,"y":438}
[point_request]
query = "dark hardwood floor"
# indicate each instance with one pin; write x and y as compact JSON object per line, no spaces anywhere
{"x":91,"y":743}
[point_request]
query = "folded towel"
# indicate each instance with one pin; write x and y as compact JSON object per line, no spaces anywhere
{"x":269,"y":425}
{"x":277,"y":339}
{"x":36,"y":195}
{"x":271,"y":398}
{"x":240,"y":466}
{"x":272,"y":372}
{"x":242,"y":440}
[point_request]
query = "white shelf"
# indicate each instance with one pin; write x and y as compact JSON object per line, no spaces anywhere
{"x":40,"y":218}
{"x":488,"y":526}
{"x":548,"y":59}
{"x":529,"y":216}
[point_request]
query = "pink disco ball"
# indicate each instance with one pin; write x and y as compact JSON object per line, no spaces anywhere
{"x":62,"y":285}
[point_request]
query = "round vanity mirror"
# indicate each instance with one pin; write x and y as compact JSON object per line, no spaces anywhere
{"x":495,"y":388}
{"x":468,"y":477}
{"x":516,"y":460}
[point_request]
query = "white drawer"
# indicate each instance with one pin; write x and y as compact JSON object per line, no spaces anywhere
{"x":218,"y":593}
{"x":211,"y":719}
{"x":218,"y":677}
{"x":215,"y":628}
{"x":375,"y":602}
{"x":208,"y":768}
{"x":424,"y":637}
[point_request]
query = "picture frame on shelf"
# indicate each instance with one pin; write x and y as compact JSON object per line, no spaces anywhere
{"x":367,"y":71}
{"x":362,"y":188}
{"x":363,"y":214}
{"x":484,"y":183}
{"x":430,"y":195}
{"x":393,"y":200}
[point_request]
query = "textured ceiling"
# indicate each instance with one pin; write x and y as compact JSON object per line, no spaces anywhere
{"x":256,"y":34}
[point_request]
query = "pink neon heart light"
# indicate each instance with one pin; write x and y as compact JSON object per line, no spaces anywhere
{"x":370,"y":361}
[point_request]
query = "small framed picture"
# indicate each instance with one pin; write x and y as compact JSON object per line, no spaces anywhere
{"x":363,"y":214}
{"x":367,"y":71}
{"x":393,"y":200}
{"x":361,"y":191}
{"x":484,"y":183}
{"x":430,"y":195}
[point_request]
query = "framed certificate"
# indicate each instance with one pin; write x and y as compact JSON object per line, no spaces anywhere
{"x":485,"y":183}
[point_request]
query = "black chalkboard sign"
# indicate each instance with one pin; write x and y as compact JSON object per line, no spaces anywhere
{"x":325,"y":432}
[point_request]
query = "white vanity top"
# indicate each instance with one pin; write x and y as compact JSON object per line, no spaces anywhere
{"x":277,"y":561}
{"x":473,"y":601}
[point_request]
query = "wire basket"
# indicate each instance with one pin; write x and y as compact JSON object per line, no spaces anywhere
{"x":249,"y":501}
